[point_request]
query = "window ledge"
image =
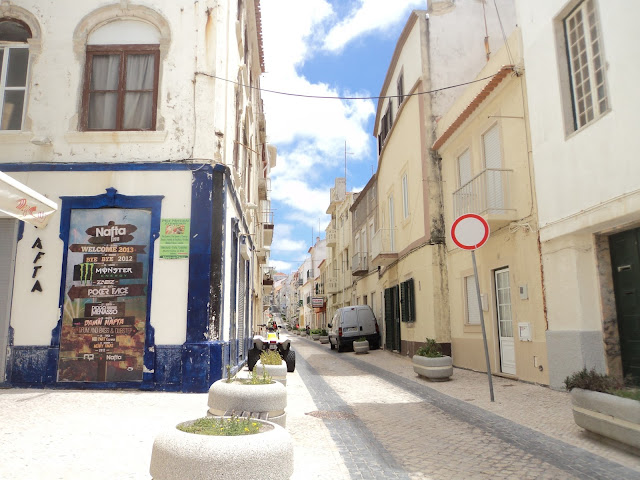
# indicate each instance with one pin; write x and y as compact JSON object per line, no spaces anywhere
{"x":472,"y":328}
{"x":116,"y":137}
{"x":12,"y":136}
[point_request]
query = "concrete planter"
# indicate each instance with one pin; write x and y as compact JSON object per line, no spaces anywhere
{"x":238,"y":397}
{"x":324,"y":339}
{"x":315,"y":336}
{"x":437,"y":369}
{"x":361,"y":346}
{"x":607,"y":415}
{"x":178,"y":455}
{"x":276,"y":372}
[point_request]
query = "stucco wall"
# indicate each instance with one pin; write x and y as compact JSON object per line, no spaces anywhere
{"x":35,"y":314}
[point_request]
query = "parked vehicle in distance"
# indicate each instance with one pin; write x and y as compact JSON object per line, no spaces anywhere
{"x":352,"y":323}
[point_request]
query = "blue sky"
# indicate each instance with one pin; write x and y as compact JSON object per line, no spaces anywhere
{"x":325,"y":48}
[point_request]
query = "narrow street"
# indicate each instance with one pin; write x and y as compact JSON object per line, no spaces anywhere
{"x":387,"y":423}
{"x":351,"y":417}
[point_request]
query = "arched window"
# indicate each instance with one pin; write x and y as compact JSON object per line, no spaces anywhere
{"x":121,"y":77}
{"x":14,"y":66}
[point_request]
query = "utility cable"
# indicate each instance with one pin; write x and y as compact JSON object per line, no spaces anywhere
{"x":346,"y":98}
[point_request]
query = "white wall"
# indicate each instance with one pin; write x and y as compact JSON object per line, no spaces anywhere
{"x":33,"y":320}
{"x":594,"y":169}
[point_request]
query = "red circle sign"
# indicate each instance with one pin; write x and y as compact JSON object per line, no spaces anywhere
{"x":470,"y":231}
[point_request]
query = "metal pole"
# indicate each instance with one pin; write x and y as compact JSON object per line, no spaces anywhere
{"x":484,"y":332}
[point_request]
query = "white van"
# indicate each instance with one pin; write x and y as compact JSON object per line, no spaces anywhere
{"x":353,"y":323}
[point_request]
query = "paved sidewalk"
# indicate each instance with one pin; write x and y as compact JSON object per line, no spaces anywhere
{"x":397,"y":426}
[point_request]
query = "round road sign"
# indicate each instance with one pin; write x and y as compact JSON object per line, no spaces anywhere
{"x":470,"y":231}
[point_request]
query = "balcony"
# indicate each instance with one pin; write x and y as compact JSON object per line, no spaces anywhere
{"x":266,"y":220}
{"x":267,"y":279}
{"x":264,"y":188}
{"x":332,"y":285}
{"x":383,"y":250}
{"x":263,"y":254}
{"x":487,"y":194}
{"x":332,"y":237}
{"x":360,"y":264}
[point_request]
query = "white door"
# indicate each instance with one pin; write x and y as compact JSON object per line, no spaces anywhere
{"x":8,"y":237}
{"x":505,"y":322}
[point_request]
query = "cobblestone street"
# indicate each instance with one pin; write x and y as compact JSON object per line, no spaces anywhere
{"x":351,"y":417}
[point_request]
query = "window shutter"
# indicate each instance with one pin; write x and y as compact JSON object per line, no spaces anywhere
{"x":388,"y":307}
{"x":407,"y":303}
{"x":473,"y":310}
{"x":492,"y":154}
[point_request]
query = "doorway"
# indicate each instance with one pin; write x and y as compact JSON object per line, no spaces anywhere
{"x":392,"y":318}
{"x":625,"y":262}
{"x":505,"y":322}
{"x":8,"y":240}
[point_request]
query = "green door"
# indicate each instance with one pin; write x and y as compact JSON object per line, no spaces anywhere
{"x":392,"y":318}
{"x":625,"y":260}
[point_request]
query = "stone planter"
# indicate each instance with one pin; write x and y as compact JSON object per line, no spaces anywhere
{"x":361,"y":346}
{"x":237,"y":397}
{"x":607,"y":415}
{"x":437,"y":369}
{"x":324,"y":339}
{"x":315,"y":336}
{"x":276,"y":372}
{"x":178,"y":455}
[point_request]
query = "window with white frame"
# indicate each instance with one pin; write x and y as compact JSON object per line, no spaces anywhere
{"x":464,"y":168}
{"x":14,"y":66}
{"x":586,"y":64}
{"x":405,"y":196}
{"x":471,"y":297}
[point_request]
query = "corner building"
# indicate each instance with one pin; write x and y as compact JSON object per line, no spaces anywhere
{"x":121,"y":114}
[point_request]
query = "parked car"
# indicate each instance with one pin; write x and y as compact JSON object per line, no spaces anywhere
{"x":352,"y":323}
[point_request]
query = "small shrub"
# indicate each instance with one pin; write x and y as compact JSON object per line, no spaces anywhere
{"x":256,"y":379}
{"x":316,"y":331}
{"x":632,"y":393}
{"x":431,"y":349}
{"x":270,"y":357}
{"x":324,"y":333}
{"x":362,"y":339}
{"x":592,"y":380}
{"x":222,"y":426}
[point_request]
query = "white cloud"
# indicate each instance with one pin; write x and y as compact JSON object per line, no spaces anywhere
{"x":371,"y":16}
{"x":284,"y":267}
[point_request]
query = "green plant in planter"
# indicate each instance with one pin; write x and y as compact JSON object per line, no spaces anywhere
{"x":362,"y":339}
{"x":317,"y":331}
{"x":256,"y":379}
{"x":270,"y":357}
{"x":324,"y":333}
{"x":431,"y":349}
{"x":592,"y":380}
{"x":222,"y":426}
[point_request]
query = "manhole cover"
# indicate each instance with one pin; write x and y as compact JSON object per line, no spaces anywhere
{"x":331,"y":415}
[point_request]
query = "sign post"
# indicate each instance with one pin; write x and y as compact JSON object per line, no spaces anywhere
{"x":470,"y":232}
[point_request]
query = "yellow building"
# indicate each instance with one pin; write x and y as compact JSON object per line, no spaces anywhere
{"x":486,"y":169}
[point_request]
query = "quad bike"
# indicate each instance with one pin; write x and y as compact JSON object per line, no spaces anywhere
{"x":271,"y":342}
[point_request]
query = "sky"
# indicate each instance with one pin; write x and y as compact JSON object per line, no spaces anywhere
{"x":330,"y":48}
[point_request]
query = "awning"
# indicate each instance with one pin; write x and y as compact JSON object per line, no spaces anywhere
{"x":19,"y":201}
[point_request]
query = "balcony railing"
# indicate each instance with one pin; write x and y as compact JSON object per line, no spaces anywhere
{"x":487,"y":194}
{"x":264,"y":187}
{"x":332,"y":285}
{"x":360,"y":263}
{"x":383,"y":249}
{"x":332,"y":237}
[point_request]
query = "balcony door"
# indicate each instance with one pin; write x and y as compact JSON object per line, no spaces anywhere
{"x":493,"y":165}
{"x":505,"y":322}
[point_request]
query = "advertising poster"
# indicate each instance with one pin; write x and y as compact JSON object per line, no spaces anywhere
{"x":105,"y":304}
{"x":174,"y":238}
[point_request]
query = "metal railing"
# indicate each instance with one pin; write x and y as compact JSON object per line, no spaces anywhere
{"x":265,"y":216}
{"x":489,"y":192}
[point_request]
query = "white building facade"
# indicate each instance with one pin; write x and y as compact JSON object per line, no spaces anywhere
{"x":583,"y":105}
{"x":121,"y":114}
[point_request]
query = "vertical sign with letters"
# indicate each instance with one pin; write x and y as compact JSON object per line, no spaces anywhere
{"x":105,"y":305}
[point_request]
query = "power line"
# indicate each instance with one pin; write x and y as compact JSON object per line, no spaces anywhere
{"x":345,"y":98}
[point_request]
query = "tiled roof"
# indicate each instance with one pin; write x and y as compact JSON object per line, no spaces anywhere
{"x":475,"y":103}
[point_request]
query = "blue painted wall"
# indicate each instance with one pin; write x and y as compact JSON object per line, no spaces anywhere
{"x":193,"y":366}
